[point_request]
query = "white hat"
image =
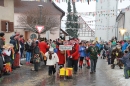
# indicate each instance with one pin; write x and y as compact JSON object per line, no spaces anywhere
{"x":51,"y":49}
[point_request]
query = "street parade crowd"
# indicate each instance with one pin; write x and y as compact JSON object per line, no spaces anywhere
{"x":83,"y":53}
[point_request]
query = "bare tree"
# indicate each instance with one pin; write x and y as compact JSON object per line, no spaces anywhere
{"x":31,"y":18}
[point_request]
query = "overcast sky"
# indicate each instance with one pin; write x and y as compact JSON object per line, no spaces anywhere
{"x":84,"y":7}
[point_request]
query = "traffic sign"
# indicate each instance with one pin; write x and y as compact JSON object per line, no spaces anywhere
{"x":39,"y":28}
{"x":65,"y":47}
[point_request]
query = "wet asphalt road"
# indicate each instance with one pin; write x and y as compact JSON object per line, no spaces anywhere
{"x":25,"y":77}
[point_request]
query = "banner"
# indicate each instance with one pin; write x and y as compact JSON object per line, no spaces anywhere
{"x":84,"y":1}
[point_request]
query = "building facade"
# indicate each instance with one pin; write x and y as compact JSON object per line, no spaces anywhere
{"x":7,"y":18}
{"x":106,"y":11}
{"x":85,"y":32}
{"x":123,"y":22}
{"x":25,"y":6}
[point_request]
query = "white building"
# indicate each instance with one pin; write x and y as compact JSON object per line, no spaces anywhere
{"x":106,"y":12}
{"x":85,"y":32}
{"x":123,"y":22}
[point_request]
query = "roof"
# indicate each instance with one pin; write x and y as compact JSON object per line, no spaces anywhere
{"x":122,"y":12}
{"x":86,"y":24}
{"x":23,"y":6}
{"x":63,"y":13}
{"x":119,"y":16}
{"x":64,"y":32}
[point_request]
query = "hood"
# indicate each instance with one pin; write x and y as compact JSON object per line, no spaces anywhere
{"x":12,"y":37}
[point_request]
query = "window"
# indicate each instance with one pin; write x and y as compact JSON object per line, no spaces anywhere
{"x":33,"y":36}
{"x":1,"y":2}
{"x":7,"y":26}
{"x":83,"y":25}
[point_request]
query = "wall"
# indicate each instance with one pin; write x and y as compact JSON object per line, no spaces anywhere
{"x":127,"y":21}
{"x":101,"y":29}
{"x":7,"y":13}
{"x":16,"y":22}
{"x":120,"y":25}
{"x":20,"y":29}
{"x":124,"y":22}
{"x":85,"y":31}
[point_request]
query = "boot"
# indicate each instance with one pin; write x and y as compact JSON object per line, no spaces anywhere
{"x":112,"y":66}
{"x":0,"y":74}
{"x":6,"y":73}
{"x":120,"y":67}
{"x":88,"y":67}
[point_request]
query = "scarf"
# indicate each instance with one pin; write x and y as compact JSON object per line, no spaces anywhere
{"x":29,"y":43}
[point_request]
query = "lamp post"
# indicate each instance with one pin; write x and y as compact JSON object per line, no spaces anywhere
{"x":40,"y":20}
{"x":122,"y":31}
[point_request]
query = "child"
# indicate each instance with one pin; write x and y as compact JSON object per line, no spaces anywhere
{"x":52,"y":59}
{"x":82,"y":52}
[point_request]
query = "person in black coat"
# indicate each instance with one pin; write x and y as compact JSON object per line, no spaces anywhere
{"x":2,"y":42}
{"x":36,"y":56}
{"x":28,"y":49}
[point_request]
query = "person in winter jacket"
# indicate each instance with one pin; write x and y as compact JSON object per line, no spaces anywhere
{"x":28,"y":49}
{"x":126,"y":61}
{"x":13,"y":42}
{"x":82,"y":52}
{"x":36,"y":56}
{"x":52,"y":59}
{"x":53,"y":44}
{"x":98,"y":45}
{"x":22,"y":45}
{"x":124,"y":46}
{"x":43,"y":48}
{"x":2,"y":43}
{"x":74,"y":55}
{"x":7,"y":59}
{"x":94,"y":51}
{"x":61,"y":54}
{"x":103,"y":54}
{"x":16,"y":49}
{"x":87,"y":56}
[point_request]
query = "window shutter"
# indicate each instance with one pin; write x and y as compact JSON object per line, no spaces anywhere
{"x":3,"y":25}
{"x":11,"y":27}
{"x":1,"y":2}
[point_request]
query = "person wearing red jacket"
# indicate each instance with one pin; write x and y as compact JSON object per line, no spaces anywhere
{"x":61,"y":56}
{"x":43,"y":47}
{"x":74,"y":56}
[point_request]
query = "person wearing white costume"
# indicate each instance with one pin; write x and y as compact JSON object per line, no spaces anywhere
{"x":52,"y":59}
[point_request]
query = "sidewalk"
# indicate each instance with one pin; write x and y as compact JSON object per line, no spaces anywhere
{"x":117,"y":76}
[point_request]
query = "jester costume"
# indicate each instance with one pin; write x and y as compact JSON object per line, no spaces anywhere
{"x":116,"y":53}
{"x":7,"y":60}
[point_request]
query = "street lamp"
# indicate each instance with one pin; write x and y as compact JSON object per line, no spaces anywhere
{"x":122,"y":31}
{"x":40,"y":6}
